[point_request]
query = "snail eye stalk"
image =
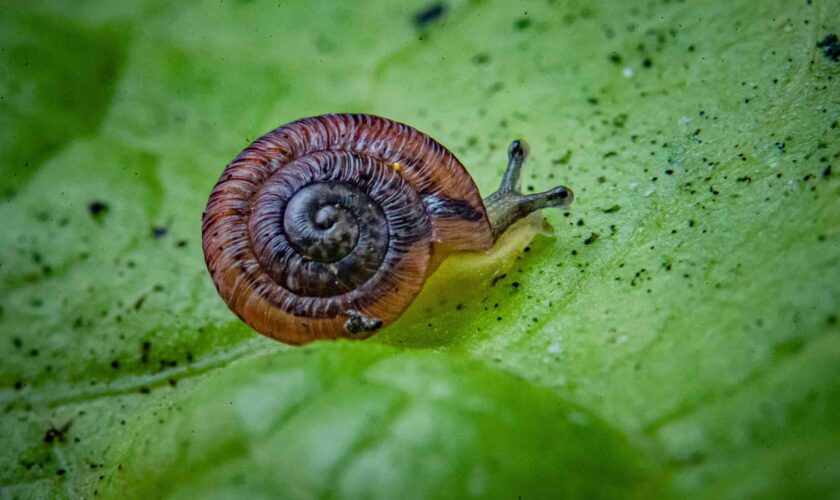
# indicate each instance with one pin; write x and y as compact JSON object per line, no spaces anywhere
{"x":507,"y":205}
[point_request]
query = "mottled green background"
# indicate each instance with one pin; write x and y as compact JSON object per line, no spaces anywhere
{"x":677,"y":336}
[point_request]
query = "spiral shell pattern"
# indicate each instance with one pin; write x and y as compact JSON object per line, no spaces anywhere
{"x":336,"y":217}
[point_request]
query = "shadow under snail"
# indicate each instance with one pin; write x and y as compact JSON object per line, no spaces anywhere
{"x":328,"y":226}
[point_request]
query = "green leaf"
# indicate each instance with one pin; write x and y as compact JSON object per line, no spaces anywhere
{"x":675,"y":334}
{"x":352,"y":420}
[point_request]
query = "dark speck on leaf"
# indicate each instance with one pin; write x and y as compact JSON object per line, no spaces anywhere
{"x":593,"y":237}
{"x":522,"y":23}
{"x":57,"y":434}
{"x":613,"y":209}
{"x":144,"y":352}
{"x":98,"y":209}
{"x":159,"y":232}
{"x":563,"y":159}
{"x":620,"y":120}
{"x":831,"y":47}
{"x":498,"y":278}
{"x":430,"y":14}
{"x":647,"y":63}
{"x":481,"y":59}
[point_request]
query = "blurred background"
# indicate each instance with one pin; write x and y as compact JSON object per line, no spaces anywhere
{"x":675,"y":335}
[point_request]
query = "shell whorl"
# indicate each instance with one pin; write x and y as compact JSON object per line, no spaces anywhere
{"x":333,"y":218}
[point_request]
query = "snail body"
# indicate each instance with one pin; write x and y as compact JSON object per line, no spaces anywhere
{"x":328,"y":226}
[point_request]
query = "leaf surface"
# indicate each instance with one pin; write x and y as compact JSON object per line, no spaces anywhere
{"x":675,"y":334}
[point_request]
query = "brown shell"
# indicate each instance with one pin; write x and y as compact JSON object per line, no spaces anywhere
{"x":431,"y":204}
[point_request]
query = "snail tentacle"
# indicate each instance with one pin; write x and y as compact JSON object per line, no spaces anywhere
{"x":507,"y":205}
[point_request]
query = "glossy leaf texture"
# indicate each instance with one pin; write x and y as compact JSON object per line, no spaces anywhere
{"x":674,"y":334}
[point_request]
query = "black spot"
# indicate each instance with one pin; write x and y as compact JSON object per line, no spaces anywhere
{"x":613,"y":209}
{"x":98,"y":209}
{"x":144,"y":351}
{"x":430,"y":14}
{"x":56,"y":434}
{"x":159,"y":232}
{"x":831,"y":47}
{"x":593,"y":237}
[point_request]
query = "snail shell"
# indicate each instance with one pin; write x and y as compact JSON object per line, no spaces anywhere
{"x":328,"y":226}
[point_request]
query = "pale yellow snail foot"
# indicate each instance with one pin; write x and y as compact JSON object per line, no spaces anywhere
{"x":461,"y":281}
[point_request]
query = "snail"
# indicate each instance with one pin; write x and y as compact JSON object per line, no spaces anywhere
{"x":328,"y":227}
